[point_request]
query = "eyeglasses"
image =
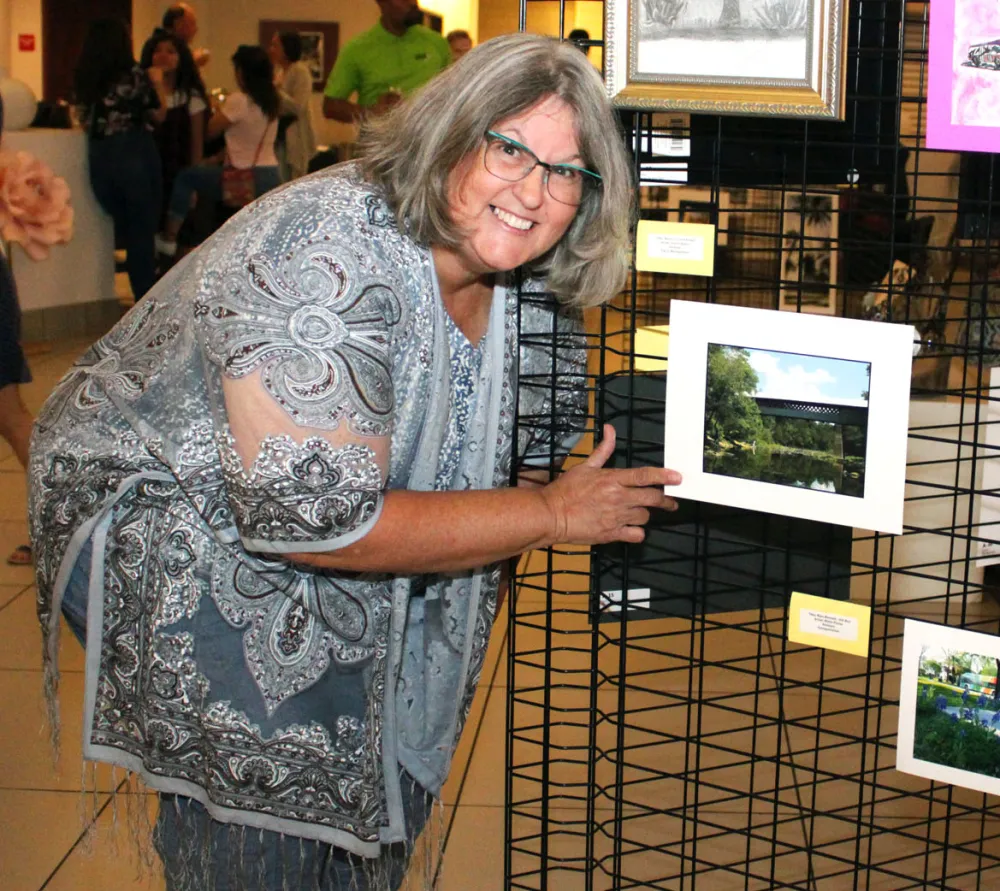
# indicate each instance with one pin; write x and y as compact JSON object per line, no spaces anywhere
{"x":509,"y":160}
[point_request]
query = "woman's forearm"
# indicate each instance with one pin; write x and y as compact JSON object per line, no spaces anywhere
{"x":421,"y":532}
{"x":446,"y":532}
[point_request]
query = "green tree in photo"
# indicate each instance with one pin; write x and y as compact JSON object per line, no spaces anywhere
{"x":795,"y":433}
{"x":731,"y":412}
{"x":855,"y":440}
{"x":931,"y":669}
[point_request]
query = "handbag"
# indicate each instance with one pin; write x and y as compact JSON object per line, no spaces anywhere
{"x":238,"y":186}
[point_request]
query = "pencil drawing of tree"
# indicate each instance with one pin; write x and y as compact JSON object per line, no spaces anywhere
{"x":778,"y":16}
{"x":663,"y":12}
{"x":730,"y":17}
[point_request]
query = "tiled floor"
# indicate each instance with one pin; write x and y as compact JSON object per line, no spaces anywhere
{"x":53,"y":837}
{"x":44,"y":817}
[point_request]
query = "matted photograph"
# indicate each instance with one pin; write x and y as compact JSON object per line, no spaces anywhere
{"x":790,"y":413}
{"x":963,"y":82}
{"x":809,"y":253}
{"x":949,"y":706}
{"x":727,"y":56}
{"x":787,"y":418}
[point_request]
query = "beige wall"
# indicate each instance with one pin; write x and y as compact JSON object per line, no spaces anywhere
{"x":501,"y":17}
{"x":6,"y":36}
{"x":238,"y":24}
{"x":457,"y":14}
{"x":25,"y":17}
{"x":224,"y":25}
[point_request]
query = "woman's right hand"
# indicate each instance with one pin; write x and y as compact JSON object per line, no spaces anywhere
{"x":593,"y":505}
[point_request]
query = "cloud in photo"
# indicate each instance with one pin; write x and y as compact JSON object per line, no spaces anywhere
{"x":809,"y":378}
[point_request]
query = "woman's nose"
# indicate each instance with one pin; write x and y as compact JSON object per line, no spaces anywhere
{"x":531,"y":189}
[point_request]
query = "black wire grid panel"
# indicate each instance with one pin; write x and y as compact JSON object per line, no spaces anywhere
{"x":672,"y":737}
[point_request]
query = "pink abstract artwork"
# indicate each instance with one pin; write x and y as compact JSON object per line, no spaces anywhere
{"x":963,"y":92}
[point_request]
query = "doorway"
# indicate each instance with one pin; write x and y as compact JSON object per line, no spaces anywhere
{"x":64,"y":26}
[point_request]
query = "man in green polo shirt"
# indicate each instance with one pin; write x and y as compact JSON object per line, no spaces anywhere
{"x":384,"y":63}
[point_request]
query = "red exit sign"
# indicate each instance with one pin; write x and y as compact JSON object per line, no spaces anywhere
{"x":26,"y":43}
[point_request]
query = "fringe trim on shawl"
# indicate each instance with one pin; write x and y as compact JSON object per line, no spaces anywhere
{"x":417,"y":869}
{"x":130,"y":798}
{"x":50,"y":684}
{"x":412,"y":866}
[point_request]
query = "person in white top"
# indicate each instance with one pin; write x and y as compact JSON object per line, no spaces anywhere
{"x":249,"y":120}
{"x":296,"y":84}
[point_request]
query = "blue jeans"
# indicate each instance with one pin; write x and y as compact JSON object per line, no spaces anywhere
{"x":127,"y":179}
{"x":205,"y":181}
{"x":199,"y":852}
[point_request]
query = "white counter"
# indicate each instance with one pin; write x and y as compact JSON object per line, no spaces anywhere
{"x":83,"y":270}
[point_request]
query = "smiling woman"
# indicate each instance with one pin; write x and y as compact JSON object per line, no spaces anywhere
{"x":439,"y":141}
{"x":287,"y":472}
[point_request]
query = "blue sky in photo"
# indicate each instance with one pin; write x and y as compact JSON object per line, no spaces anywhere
{"x":812,"y":378}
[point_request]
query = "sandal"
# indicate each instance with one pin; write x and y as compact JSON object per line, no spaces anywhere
{"x":20,"y":556}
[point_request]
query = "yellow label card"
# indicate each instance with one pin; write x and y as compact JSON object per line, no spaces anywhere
{"x":683,"y":248}
{"x":831,"y":624}
{"x":650,"y":346}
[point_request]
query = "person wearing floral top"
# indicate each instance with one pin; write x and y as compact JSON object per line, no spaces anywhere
{"x":275,"y":500}
{"x":118,"y":104}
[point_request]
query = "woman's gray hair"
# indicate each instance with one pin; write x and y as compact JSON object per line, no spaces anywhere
{"x":412,"y":151}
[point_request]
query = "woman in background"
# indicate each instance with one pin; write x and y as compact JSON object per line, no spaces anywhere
{"x":296,"y":83}
{"x":118,"y":104}
{"x":181,"y":137}
{"x":249,"y":120}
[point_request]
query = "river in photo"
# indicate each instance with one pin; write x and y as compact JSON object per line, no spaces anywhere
{"x":804,"y":471}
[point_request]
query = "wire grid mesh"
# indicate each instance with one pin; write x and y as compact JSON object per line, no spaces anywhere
{"x":681,"y":742}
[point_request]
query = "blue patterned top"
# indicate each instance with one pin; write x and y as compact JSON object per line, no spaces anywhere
{"x":256,"y":405}
{"x":466,"y":362}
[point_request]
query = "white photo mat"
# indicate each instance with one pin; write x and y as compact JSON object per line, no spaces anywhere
{"x":887,"y":348}
{"x":916,"y":635}
{"x":988,"y":506}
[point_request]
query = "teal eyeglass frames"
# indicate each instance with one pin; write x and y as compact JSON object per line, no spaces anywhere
{"x":509,"y":160}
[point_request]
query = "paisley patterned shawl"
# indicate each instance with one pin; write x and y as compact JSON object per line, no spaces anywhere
{"x":256,"y":404}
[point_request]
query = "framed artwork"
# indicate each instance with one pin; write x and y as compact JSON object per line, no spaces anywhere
{"x":963,"y":82}
{"x":690,"y":204}
{"x":766,"y":57}
{"x":809,"y":253}
{"x":793,"y":414}
{"x":320,"y":42}
{"x":949,"y":710}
